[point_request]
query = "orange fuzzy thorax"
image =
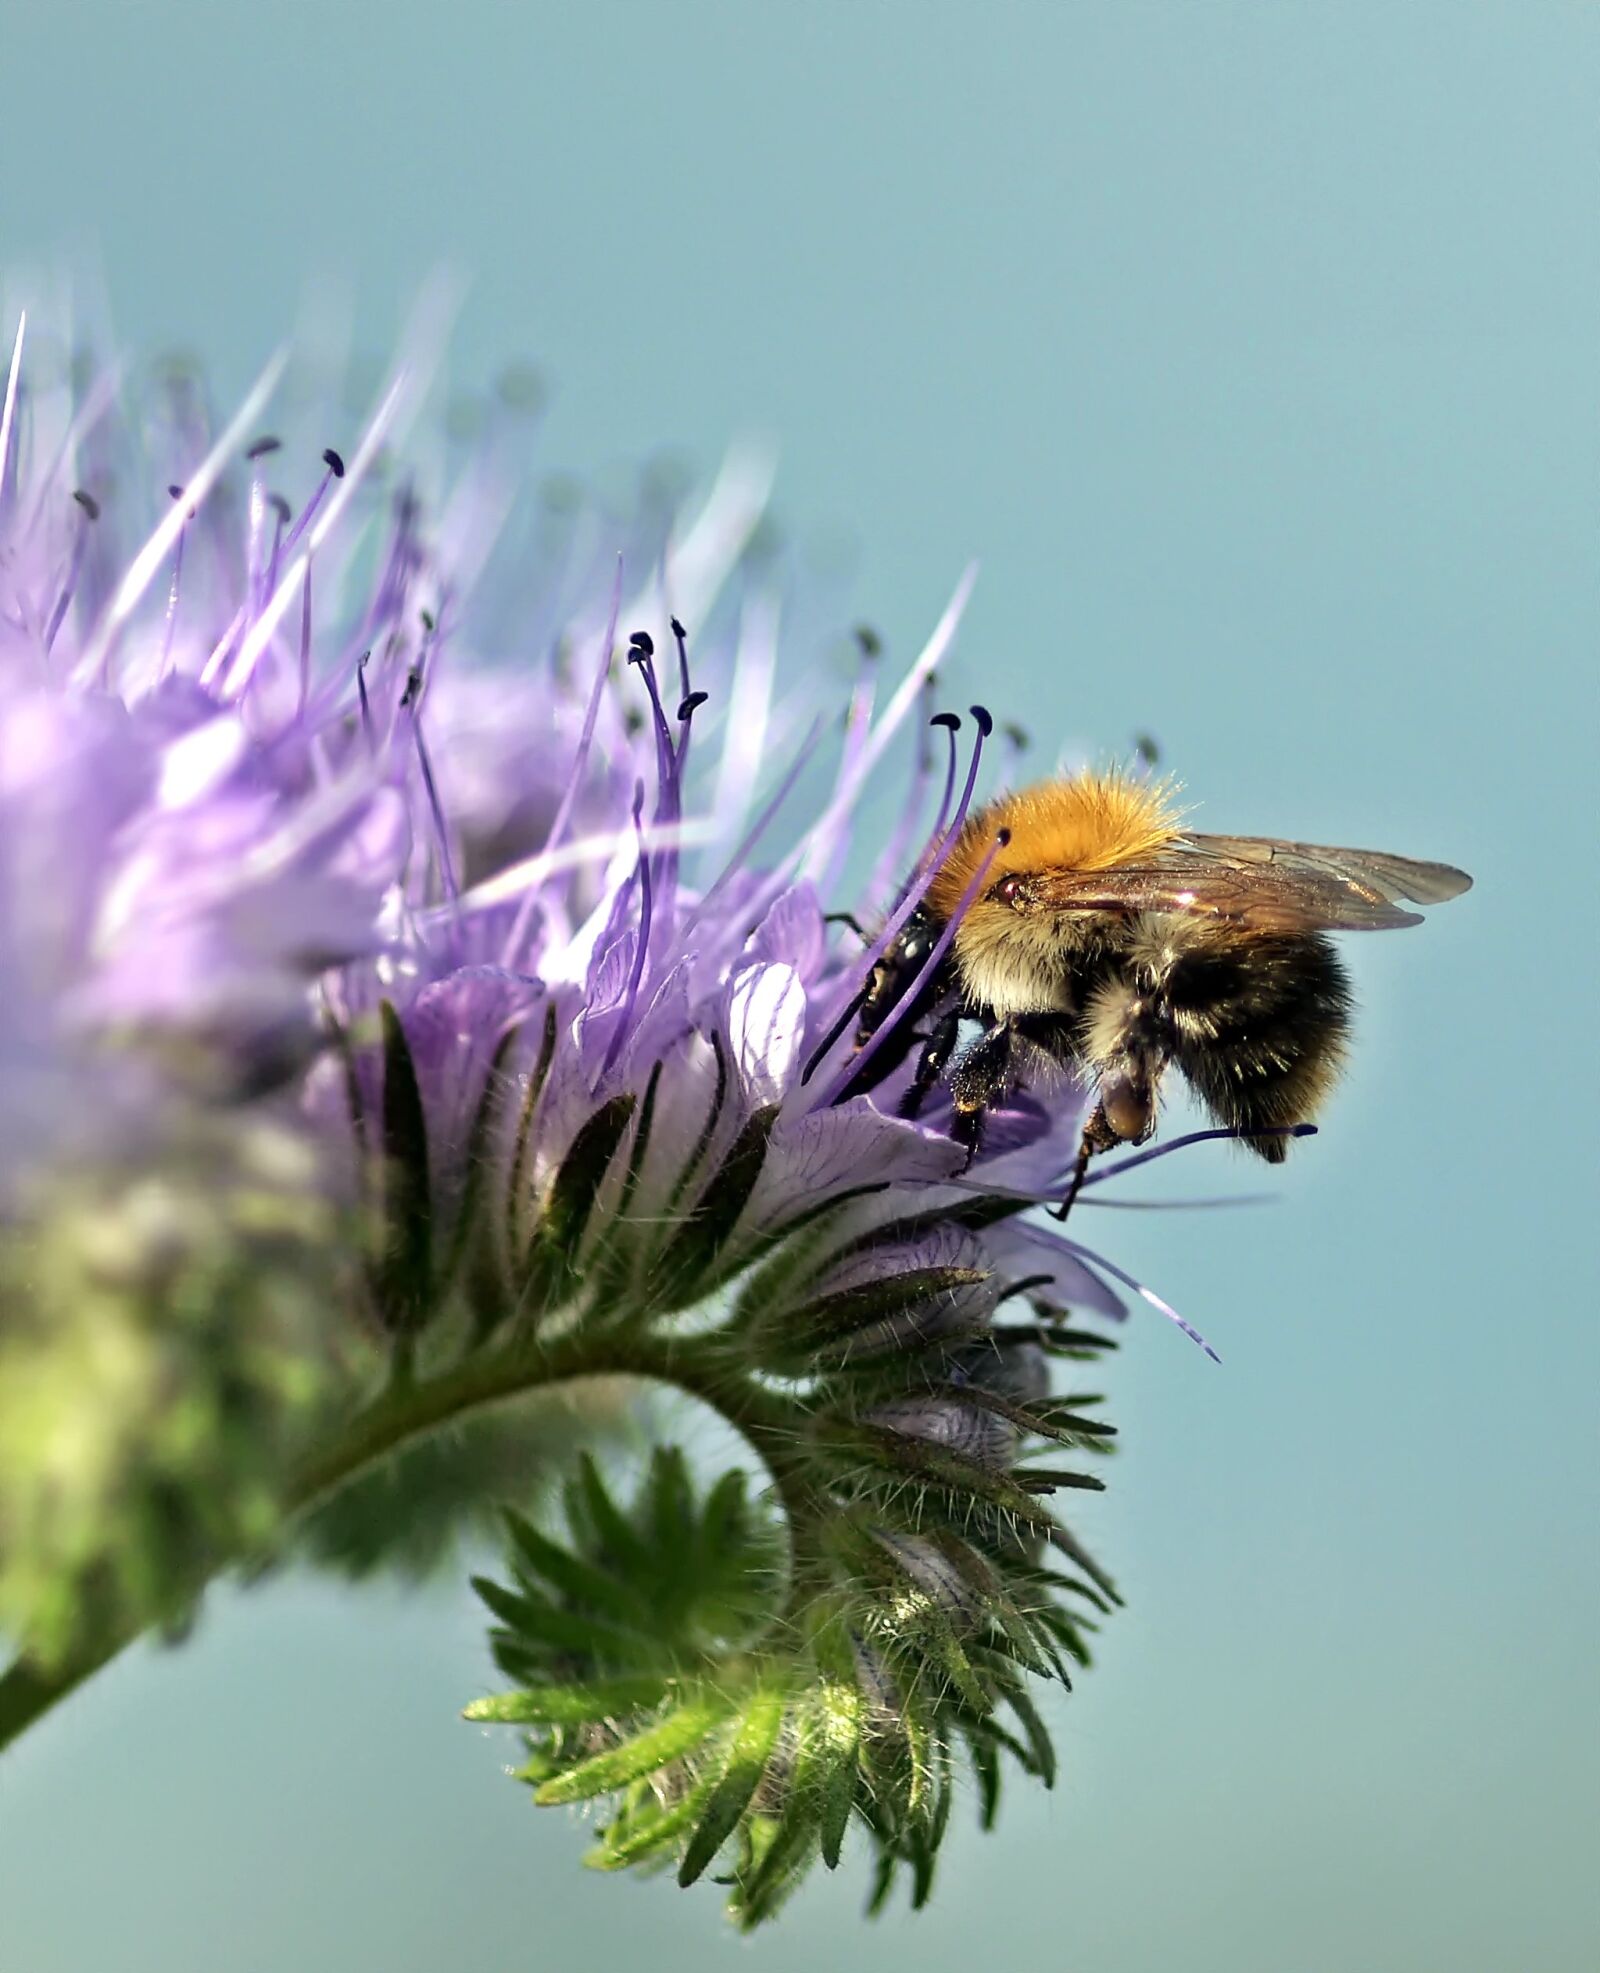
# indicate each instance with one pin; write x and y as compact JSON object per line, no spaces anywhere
{"x":1092,"y":822}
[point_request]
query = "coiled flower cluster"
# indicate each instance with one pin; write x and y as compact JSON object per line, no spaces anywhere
{"x":419,"y":1000}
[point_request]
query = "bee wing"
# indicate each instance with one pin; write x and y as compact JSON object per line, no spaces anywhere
{"x":1261,"y":883}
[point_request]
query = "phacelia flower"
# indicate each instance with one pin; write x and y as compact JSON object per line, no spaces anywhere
{"x":421,"y":994}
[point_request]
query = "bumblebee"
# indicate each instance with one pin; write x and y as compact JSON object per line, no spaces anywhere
{"x":1093,"y":932}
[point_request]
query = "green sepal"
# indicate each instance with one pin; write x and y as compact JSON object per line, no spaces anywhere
{"x":827,"y":1738}
{"x":1040,"y":1746}
{"x":1069,"y":1633}
{"x":682,"y":1270}
{"x":534,"y":1618}
{"x":1047,"y":1420}
{"x":570,"y":1705}
{"x":838,"y":1798}
{"x":1050,"y":1479}
{"x":781,"y":1869}
{"x":402,"y":1270}
{"x":670,"y":1494}
{"x":986,"y":1768}
{"x":750,"y":1748}
{"x":615,"y":1266}
{"x":924,"y":1845}
{"x":645,"y":1753}
{"x":476,"y":1257}
{"x":577,"y":1580}
{"x":525,"y":1116}
{"x":549,"y":1268}
{"x":963,"y":1480}
{"x":633,"y":1838}
{"x":593,"y":1512}
{"x":1073,"y":1549}
{"x":827,"y":1325}
{"x":933,"y":1636}
{"x":726,"y":1507}
{"x":1074,"y":1587}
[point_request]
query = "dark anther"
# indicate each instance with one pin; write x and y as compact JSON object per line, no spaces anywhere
{"x":334,"y":463}
{"x":88,"y":503}
{"x":682,"y":637}
{"x":1017,"y":735}
{"x":361,"y":662}
{"x":950,"y":719}
{"x":174,"y":492}
{"x":428,"y":623}
{"x":280,"y":507}
{"x":413,"y":689}
{"x":1146,"y":748}
{"x":641,"y":645}
{"x":1002,"y":837}
{"x":691,"y":704}
{"x":984,"y":721}
{"x":869,"y":640}
{"x":263,"y":446}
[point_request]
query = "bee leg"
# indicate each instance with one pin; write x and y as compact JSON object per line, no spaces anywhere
{"x":936,"y":1051}
{"x":1097,"y":1136}
{"x":980,"y":1075}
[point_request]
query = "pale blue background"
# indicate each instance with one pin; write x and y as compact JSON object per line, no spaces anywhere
{"x":1253,"y":348}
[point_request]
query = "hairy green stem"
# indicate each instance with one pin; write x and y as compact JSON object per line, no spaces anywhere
{"x":407,"y":1411}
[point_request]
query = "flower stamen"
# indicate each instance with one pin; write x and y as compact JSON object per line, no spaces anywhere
{"x":853,"y":1068}
{"x":88,"y":514}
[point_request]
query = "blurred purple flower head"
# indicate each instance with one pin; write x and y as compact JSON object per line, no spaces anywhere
{"x":489,"y":948}
{"x":267,"y":773}
{"x":433,"y":929}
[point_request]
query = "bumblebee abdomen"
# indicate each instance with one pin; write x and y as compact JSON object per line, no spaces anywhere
{"x":1258,"y":1024}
